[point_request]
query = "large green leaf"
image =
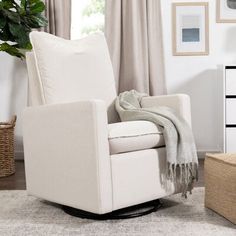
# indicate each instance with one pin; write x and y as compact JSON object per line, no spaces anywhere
{"x":17,"y":18}
{"x":16,"y":29}
{"x":23,"y":4}
{"x":20,"y":33}
{"x":6,"y":4}
{"x":11,"y":49}
{"x":28,"y":46}
{"x":30,"y":23}
{"x":41,"y":21}
{"x":37,"y":8}
{"x":34,"y":22}
{"x":2,"y":22}
{"x":12,"y":16}
{"x":5,"y":34}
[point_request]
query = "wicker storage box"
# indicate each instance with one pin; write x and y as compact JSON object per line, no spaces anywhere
{"x":220,"y":184}
{"x":7,"y":162}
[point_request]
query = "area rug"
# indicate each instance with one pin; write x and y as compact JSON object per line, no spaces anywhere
{"x":26,"y":215}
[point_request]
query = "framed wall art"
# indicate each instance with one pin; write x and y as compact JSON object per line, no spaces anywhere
{"x":190,"y":26}
{"x":226,"y":11}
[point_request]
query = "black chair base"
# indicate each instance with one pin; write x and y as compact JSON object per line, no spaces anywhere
{"x":125,"y":213}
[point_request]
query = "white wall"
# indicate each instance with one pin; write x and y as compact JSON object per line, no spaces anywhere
{"x":196,"y":76}
{"x":199,"y":77}
{"x":13,"y":94}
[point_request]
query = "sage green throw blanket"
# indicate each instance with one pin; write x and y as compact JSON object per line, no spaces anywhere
{"x":181,"y":156}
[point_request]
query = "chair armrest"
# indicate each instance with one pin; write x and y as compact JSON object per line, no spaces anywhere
{"x":67,"y":154}
{"x":179,"y":102}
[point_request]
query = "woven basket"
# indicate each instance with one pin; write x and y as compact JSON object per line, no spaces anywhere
{"x":7,"y":162}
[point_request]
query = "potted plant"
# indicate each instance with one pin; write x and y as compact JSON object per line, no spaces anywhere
{"x":17,"y":19}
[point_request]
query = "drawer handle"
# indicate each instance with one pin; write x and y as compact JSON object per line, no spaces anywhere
{"x":230,"y":126}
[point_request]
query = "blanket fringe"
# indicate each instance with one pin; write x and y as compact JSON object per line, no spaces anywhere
{"x":186,"y":174}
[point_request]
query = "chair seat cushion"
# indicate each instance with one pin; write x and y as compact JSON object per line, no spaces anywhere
{"x":133,"y":136}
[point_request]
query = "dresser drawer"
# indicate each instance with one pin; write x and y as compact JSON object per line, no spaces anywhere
{"x":230,"y":139}
{"x":230,"y":81}
{"x":231,"y":111}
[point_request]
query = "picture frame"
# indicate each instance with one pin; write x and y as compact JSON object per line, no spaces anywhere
{"x":226,"y":11}
{"x":190,"y":28}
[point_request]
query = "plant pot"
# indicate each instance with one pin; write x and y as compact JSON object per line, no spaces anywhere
{"x":7,"y":161}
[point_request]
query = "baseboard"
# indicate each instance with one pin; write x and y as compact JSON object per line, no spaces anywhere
{"x":19,"y":155}
{"x":201,"y":154}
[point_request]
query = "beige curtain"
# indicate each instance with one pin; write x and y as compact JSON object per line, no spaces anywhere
{"x":58,"y":13}
{"x":134,"y":35}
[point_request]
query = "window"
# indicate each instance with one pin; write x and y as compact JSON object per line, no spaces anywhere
{"x":87,"y":17}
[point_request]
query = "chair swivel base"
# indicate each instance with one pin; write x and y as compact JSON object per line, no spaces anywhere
{"x":125,"y":213}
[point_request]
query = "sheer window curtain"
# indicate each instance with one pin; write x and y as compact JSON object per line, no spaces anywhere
{"x":133,"y":30}
{"x":58,"y":13}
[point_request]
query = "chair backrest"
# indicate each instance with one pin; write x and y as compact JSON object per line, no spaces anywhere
{"x":67,"y":76}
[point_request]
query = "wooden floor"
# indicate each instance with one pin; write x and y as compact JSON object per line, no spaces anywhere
{"x":17,"y":181}
{"x":200,"y":182}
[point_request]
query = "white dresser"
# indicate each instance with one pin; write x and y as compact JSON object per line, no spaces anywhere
{"x":229,"y":96}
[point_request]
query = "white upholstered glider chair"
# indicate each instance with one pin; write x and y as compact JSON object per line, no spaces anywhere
{"x":77,"y":153}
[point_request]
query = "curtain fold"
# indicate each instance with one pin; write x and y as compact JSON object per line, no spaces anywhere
{"x":58,"y":13}
{"x":134,"y":36}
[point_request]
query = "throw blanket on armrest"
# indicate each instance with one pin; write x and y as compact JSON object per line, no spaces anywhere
{"x":180,"y":146}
